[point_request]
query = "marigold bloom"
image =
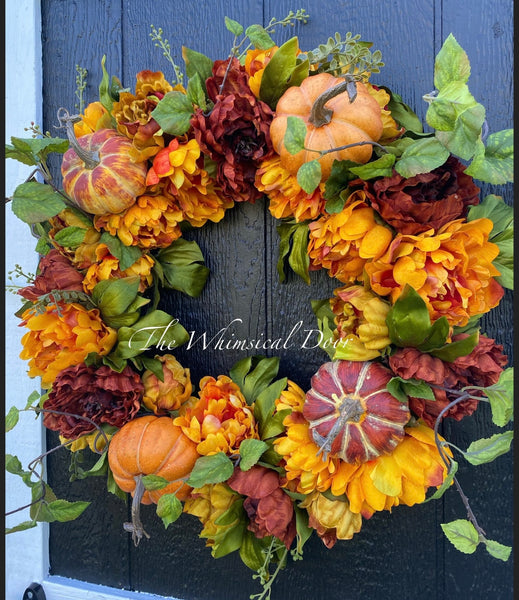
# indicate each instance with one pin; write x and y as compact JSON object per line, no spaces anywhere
{"x":344,"y":242}
{"x":220,"y":420}
{"x":62,"y":336}
{"x":287,"y":198}
{"x":174,"y":162}
{"x":332,"y":519}
{"x":170,"y":394}
{"x":390,"y":128}
{"x":451,"y":270}
{"x":107,"y":267}
{"x":94,"y":117}
{"x":152,"y":222}
{"x":95,"y":441}
{"x":361,"y":323}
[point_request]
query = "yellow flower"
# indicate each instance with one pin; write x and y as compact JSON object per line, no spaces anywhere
{"x":361,"y":323}
{"x":94,"y":441}
{"x":220,"y":420}
{"x":62,"y":336}
{"x":255,"y":62}
{"x":170,"y":394}
{"x":390,"y":130}
{"x":95,"y":117}
{"x":152,"y":222}
{"x":287,"y":198}
{"x":452,"y":270}
{"x":344,"y":242}
{"x":107,"y":267}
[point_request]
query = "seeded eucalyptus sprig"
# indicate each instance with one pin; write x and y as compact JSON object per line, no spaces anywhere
{"x":81,"y":83}
{"x":160,"y":42}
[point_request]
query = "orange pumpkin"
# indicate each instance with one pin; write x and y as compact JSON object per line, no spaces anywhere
{"x":152,"y":445}
{"x":98,"y":174}
{"x":331,"y":121}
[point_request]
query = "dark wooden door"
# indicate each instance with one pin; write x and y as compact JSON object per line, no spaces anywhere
{"x":402,"y":555}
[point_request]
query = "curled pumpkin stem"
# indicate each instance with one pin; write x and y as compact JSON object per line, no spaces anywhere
{"x":135,"y":527}
{"x":320,"y":114}
{"x":91,"y":159}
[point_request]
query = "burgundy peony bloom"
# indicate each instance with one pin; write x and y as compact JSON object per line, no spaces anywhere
{"x":425,"y":201}
{"x":236,"y":133}
{"x":102,"y":395}
{"x":482,"y":367}
{"x":269,"y":509}
{"x":56,"y":273}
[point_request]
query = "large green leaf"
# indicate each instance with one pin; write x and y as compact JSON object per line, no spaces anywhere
{"x":35,"y":202}
{"x":494,"y":163}
{"x":169,"y":509}
{"x":486,"y":450}
{"x":462,"y":534}
{"x":183,"y":267}
{"x":211,"y":469}
{"x":173,"y":113}
{"x":462,"y":140}
{"x":126,"y":255}
{"x":309,"y":175}
{"x":422,"y":156}
{"x":293,"y":244}
{"x":451,"y":64}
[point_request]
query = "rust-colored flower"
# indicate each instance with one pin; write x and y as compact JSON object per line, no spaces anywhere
{"x":452,"y":270}
{"x":107,"y":267}
{"x":56,"y":273}
{"x":220,"y":420}
{"x":62,"y":336}
{"x":268,"y":507}
{"x":344,"y":242}
{"x":425,"y":201}
{"x":83,"y":255}
{"x":101,"y":395}
{"x":133,"y":114}
{"x":361,"y":333}
{"x":236,"y":134}
{"x":94,"y":117}
{"x":152,"y":222}
{"x":287,"y":198}
{"x":482,"y":367}
{"x":332,"y":519}
{"x":170,"y":394}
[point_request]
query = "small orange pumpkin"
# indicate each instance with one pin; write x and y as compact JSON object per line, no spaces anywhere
{"x":331,"y":120}
{"x":98,"y":174}
{"x":152,"y":445}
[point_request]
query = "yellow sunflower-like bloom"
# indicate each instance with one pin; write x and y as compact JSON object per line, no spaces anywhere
{"x":107,"y":267}
{"x":208,"y":503}
{"x":344,"y":242}
{"x":94,"y":441}
{"x":361,"y":323}
{"x":391,"y":129}
{"x":170,"y":394}
{"x":332,"y":519}
{"x":152,"y":222}
{"x":220,"y":420}
{"x":452,"y":270}
{"x":95,"y":117}
{"x":62,"y":336}
{"x":287,"y":198}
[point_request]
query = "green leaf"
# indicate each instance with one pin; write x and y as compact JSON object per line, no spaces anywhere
{"x":498,"y":550}
{"x":250,"y":452}
{"x":450,"y":352}
{"x":451,"y":64}
{"x":402,"y":113}
{"x":381,"y":167}
{"x":462,"y":534}
{"x":11,"y":418}
{"x":154,"y":482}
{"x":494,"y":163}
{"x":259,"y":377}
{"x":105,"y":96}
{"x":197,"y":64}
{"x":169,"y":509}
{"x":32,"y":151}
{"x":126,"y":255}
{"x":211,"y":469}
{"x":252,"y":551}
{"x":408,"y":320}
{"x":21,"y":527}
{"x":34,"y":202}
{"x":402,"y":389}
{"x":264,"y":404}
{"x":422,"y":156}
{"x":196,"y":92}
{"x":445,"y":108}
{"x":462,"y":140}
{"x":63,"y":510}
{"x":290,"y":244}
{"x":183,"y":267}
{"x":295,"y":134}
{"x":303,"y":531}
{"x":336,"y":188}
{"x":486,"y":450}
{"x":230,"y":541}
{"x":114,"y":296}
{"x":33,"y":397}
{"x":309,"y":175}
{"x":70,"y":237}
{"x":13,"y":465}
{"x":259,"y":37}
{"x":173,"y":113}
{"x":113,"y":488}
{"x":500,"y":396}
{"x":446,"y":482}
{"x":274,"y":425}
{"x":437,"y":335}
{"x":233,"y":26}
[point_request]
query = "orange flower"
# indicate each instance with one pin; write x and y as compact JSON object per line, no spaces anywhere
{"x":95,"y":117}
{"x":220,"y":420}
{"x":62,"y":336}
{"x":152,"y":222}
{"x":170,"y":394}
{"x":287,"y":198}
{"x":452,"y":270}
{"x":255,"y":62}
{"x":344,"y":242}
{"x":107,"y":267}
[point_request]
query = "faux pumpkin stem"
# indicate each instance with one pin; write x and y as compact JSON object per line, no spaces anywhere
{"x":135,"y":527}
{"x":321,"y":115}
{"x":91,"y":159}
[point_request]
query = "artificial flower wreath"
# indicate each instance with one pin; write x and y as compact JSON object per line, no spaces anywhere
{"x":359,"y":189}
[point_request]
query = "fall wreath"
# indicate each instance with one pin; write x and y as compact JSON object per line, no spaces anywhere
{"x":392,"y":212}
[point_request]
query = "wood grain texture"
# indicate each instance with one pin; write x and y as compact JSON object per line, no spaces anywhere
{"x":402,"y":555}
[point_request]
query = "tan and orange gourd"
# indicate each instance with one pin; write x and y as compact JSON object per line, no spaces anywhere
{"x":352,"y":416}
{"x":98,"y":173}
{"x":332,"y":121}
